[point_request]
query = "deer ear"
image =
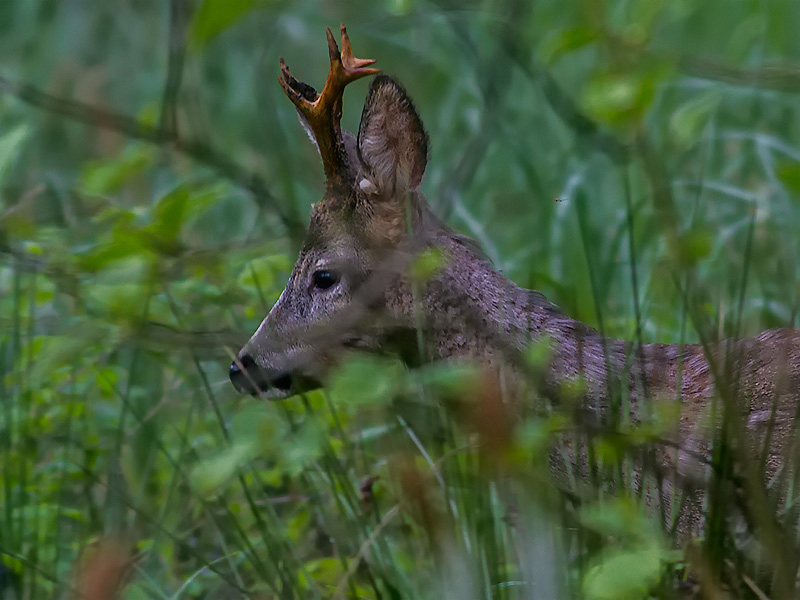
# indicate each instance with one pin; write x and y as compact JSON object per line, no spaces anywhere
{"x":392,"y":143}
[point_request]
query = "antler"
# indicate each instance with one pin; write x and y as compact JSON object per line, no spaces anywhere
{"x":324,"y":111}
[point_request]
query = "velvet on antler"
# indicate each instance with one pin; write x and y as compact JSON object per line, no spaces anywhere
{"x":323,"y":112}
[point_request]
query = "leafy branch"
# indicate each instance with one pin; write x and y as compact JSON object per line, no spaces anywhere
{"x":164,"y":137}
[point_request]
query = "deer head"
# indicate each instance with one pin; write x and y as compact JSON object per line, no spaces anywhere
{"x":348,"y":287}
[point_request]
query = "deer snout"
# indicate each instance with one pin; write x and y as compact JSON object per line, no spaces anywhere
{"x":250,"y":378}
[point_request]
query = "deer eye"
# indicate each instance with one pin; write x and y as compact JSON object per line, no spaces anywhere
{"x":325,"y":279}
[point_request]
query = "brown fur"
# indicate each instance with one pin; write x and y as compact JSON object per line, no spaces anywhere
{"x":369,"y":236}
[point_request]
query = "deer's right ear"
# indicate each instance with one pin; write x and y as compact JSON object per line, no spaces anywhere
{"x":392,"y":143}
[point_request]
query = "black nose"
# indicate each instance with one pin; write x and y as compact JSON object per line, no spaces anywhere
{"x":248,"y":378}
{"x":241,"y":376}
{"x":282,"y":382}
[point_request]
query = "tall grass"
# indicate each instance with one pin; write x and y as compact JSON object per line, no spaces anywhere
{"x":635,"y":162}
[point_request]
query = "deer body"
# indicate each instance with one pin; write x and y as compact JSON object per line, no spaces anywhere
{"x":352,"y":288}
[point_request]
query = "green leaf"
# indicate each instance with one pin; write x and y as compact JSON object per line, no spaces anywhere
{"x":169,"y":211}
{"x":121,"y":247}
{"x":539,"y":352}
{"x":302,"y":447}
{"x":105,"y":177}
{"x":565,"y":41}
{"x":106,"y":380}
{"x":402,"y":7}
{"x":620,"y":518}
{"x":688,"y":122}
{"x":449,"y":379}
{"x":624,"y":574}
{"x":428,"y":264}
{"x":167,"y":220}
{"x":10,"y":143}
{"x":617,"y":98}
{"x":622,"y":99}
{"x":694,"y":245}
{"x":67,"y":350}
{"x":325,"y":571}
{"x":262,"y":273}
{"x":121,"y":289}
{"x":261,"y":425}
{"x":366,"y":379}
{"x":215,"y":16}
{"x":789,"y":175}
{"x":210,"y":475}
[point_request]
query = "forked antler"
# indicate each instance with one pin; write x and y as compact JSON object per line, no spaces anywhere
{"x":324,"y":111}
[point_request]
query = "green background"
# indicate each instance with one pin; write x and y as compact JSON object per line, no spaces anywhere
{"x":635,"y":161}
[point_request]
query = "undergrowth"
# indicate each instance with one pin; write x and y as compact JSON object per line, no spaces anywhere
{"x":634,"y":161}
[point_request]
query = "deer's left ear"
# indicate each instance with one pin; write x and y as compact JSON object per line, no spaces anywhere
{"x":392,"y":143}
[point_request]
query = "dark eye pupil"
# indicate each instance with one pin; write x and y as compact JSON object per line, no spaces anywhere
{"x":325,"y":279}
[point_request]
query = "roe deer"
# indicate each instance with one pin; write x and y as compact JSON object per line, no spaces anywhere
{"x":351,"y":288}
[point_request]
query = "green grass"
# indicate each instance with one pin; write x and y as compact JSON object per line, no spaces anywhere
{"x":634,"y":161}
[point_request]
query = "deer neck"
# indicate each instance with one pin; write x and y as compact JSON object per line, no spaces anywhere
{"x":472,"y":310}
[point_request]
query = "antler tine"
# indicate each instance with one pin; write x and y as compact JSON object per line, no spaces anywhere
{"x":350,"y":61}
{"x":323,"y":110}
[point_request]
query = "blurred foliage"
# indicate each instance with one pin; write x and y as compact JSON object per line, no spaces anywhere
{"x":154,"y":185}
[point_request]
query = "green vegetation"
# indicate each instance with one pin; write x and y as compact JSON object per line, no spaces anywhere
{"x":636,"y":161}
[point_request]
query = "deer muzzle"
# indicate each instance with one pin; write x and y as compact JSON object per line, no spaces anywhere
{"x":248,"y":377}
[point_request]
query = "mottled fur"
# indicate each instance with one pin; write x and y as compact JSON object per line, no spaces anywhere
{"x":369,"y":236}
